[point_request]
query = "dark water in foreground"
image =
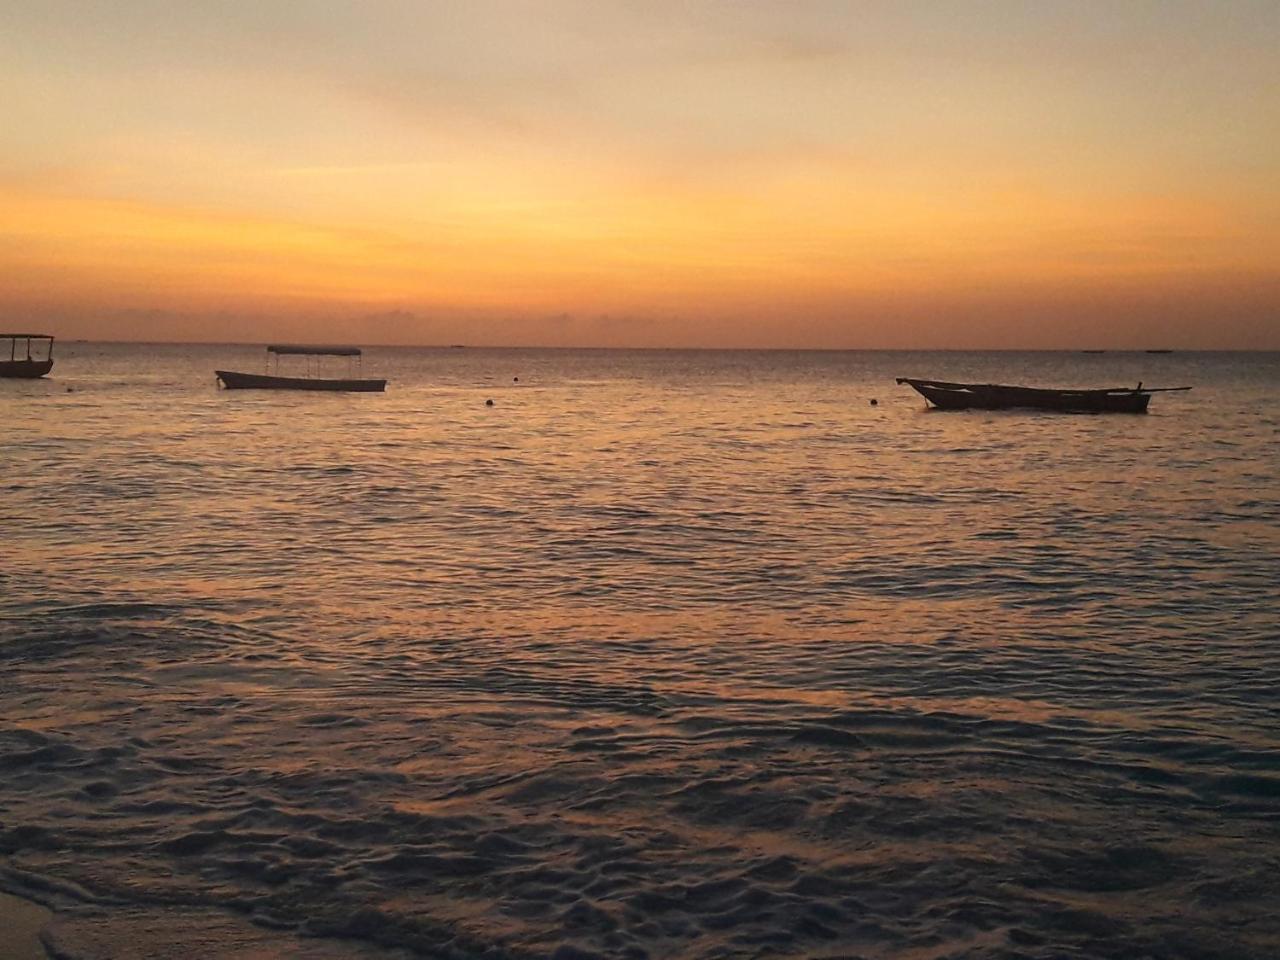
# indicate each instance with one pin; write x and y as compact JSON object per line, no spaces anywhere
{"x":681,"y":655}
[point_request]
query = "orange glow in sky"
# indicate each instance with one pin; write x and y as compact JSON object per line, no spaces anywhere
{"x":756,"y":174}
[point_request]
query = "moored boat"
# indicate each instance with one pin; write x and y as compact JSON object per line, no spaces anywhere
{"x":272,"y":380}
{"x":26,"y":365}
{"x":992,"y":396}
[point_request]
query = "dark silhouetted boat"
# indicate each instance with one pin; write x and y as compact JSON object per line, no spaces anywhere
{"x":272,"y":380}
{"x":24,"y":365}
{"x":991,"y":396}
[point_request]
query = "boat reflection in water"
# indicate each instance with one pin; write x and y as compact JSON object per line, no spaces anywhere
{"x":311,"y":380}
{"x":25,"y":365}
{"x":991,"y":396}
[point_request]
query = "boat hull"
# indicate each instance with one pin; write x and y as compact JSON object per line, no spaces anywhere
{"x":973,"y":396}
{"x":25,"y":369}
{"x":232,"y":380}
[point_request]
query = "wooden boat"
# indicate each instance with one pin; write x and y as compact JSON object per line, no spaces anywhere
{"x":272,"y":380}
{"x":991,"y":396}
{"x":25,"y":366}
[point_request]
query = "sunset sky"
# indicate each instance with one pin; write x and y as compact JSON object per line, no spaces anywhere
{"x":792,"y":174}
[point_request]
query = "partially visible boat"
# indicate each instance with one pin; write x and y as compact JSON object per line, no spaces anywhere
{"x":24,"y":364}
{"x":271,"y":380}
{"x":992,"y":396}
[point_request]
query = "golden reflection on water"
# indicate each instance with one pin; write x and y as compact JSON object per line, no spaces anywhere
{"x":664,"y":654}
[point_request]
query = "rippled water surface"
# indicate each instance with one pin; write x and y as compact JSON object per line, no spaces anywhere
{"x":681,"y":655}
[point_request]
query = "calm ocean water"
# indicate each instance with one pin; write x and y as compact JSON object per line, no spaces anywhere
{"x":686,"y":654}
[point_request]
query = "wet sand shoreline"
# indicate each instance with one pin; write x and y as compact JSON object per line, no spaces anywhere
{"x":22,"y":920}
{"x":124,"y":932}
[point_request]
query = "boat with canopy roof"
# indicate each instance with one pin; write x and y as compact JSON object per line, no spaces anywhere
{"x":23,"y":363}
{"x":312,"y":378}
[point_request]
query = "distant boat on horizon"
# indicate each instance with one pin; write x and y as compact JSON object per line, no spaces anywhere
{"x":992,"y":396}
{"x":26,"y":367}
{"x":233,"y":380}
{"x":1159,"y":351}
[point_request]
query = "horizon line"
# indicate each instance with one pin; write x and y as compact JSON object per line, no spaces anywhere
{"x":686,"y":349}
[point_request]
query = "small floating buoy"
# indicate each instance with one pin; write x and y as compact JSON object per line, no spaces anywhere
{"x":515,"y":379}
{"x":488,"y":403}
{"x":69,"y":390}
{"x":874,"y":401}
